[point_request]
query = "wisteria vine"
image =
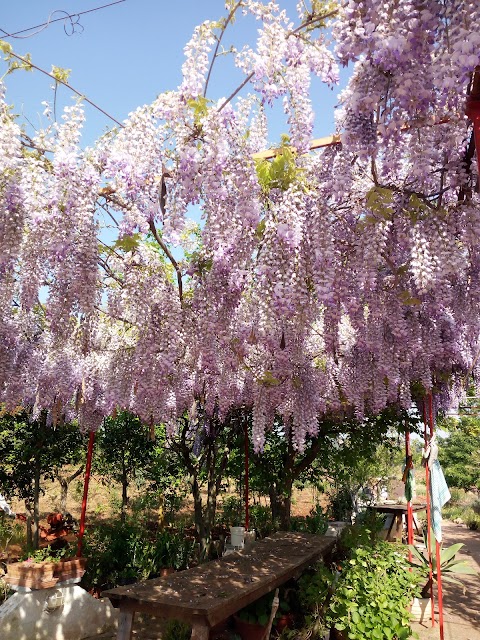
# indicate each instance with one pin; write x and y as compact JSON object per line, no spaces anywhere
{"x":333,"y":282}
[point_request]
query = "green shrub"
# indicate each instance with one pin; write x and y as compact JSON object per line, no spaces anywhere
{"x":177,"y":630}
{"x":232,"y":511}
{"x":315,"y":586}
{"x":472,"y":520}
{"x":261,"y":520}
{"x":341,"y":506}
{"x":452,"y":512}
{"x":363,"y":533}
{"x":258,"y":612}
{"x":122,"y":553}
{"x":457,"y":496}
{"x":315,"y":590}
{"x":47,"y":554}
{"x":315,"y":522}
{"x":11,"y":532}
{"x":373,"y":593}
{"x":5,"y":591}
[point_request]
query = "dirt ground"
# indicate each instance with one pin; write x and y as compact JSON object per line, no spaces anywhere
{"x":461,"y":605}
{"x":104,"y":499}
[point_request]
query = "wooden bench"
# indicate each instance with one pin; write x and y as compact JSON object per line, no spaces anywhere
{"x":208,"y":594}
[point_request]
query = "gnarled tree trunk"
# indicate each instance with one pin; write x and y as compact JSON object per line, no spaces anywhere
{"x":65,"y":482}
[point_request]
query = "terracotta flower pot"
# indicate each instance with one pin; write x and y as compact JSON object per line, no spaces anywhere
{"x":35,"y":575}
{"x":70,"y":568}
{"x":43,"y":575}
{"x":248,"y":630}
{"x":285,"y":621}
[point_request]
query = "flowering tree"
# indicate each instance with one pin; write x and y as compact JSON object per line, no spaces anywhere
{"x":334,"y":282}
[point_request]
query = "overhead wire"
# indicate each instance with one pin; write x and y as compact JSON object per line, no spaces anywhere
{"x":68,"y":16}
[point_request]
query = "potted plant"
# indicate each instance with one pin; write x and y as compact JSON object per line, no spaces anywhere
{"x":448,"y":566}
{"x":251,"y":622}
{"x":43,"y":568}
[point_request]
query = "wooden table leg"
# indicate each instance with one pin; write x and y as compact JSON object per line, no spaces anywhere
{"x":398,"y":531}
{"x":125,"y":624}
{"x":389,"y":532}
{"x":200,"y":630}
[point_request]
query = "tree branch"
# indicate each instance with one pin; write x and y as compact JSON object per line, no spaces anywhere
{"x":78,"y":93}
{"x":219,"y":40}
{"x":169,"y":255}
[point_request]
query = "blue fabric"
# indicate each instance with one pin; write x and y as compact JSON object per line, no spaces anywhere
{"x":440,"y":494}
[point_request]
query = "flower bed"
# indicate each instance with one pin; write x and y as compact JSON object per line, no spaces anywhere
{"x":43,"y":575}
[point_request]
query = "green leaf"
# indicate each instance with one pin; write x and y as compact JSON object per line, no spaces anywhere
{"x":450,"y":552}
{"x":462,"y":566}
{"x":60,"y":74}
{"x":6,"y":47}
{"x":269,"y":380}
{"x":128,"y":243}
{"x":407,"y":298}
{"x":259,"y":231}
{"x":199,"y":107}
{"x":420,"y":557}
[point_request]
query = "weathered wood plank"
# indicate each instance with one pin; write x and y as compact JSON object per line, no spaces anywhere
{"x":200,"y":631}
{"x":215,"y":590}
{"x":125,"y":624}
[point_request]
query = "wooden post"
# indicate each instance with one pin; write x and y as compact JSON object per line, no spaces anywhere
{"x":125,"y":624}
{"x":200,"y":630}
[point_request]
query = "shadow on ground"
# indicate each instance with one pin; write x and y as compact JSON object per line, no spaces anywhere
{"x":461,"y":605}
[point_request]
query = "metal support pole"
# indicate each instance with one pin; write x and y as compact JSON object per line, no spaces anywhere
{"x":88,"y":467}
{"x":472,"y":111}
{"x":408,"y":456}
{"x":247,"y":514}
{"x":437,"y":545}
{"x":429,"y":519}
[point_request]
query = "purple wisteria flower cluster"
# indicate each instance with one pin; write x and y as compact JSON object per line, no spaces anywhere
{"x":333,"y":282}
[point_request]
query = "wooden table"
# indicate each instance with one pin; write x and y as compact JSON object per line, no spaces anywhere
{"x":398,"y":511}
{"x":208,"y":594}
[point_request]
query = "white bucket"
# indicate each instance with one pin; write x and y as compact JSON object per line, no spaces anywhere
{"x":421,"y":609}
{"x":237,"y":536}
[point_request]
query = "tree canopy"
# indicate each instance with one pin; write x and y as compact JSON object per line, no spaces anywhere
{"x":460,"y":452}
{"x":333,"y":282}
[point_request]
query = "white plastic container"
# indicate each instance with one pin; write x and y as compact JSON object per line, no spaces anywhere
{"x":237,"y":536}
{"x":421,"y":609}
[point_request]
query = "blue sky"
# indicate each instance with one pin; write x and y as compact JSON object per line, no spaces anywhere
{"x":123,"y":56}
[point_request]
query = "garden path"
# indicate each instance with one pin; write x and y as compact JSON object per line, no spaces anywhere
{"x":461,"y":607}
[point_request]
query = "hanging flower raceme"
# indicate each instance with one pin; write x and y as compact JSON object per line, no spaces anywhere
{"x":307,"y":284}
